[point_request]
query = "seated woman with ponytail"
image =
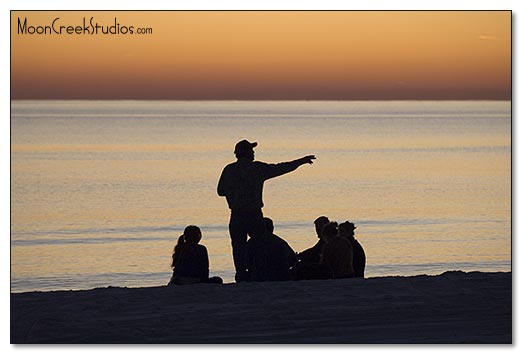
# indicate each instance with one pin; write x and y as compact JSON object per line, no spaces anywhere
{"x":190,"y":260}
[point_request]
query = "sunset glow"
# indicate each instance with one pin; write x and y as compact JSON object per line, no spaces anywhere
{"x":265,"y":55}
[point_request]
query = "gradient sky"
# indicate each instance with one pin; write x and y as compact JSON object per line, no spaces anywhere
{"x":267,"y":55}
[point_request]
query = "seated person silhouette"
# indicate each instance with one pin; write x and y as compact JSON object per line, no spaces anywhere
{"x":337,"y":252}
{"x":313,"y":254}
{"x":271,"y":259}
{"x":346,"y":230}
{"x":308,"y":266}
{"x":190,"y":260}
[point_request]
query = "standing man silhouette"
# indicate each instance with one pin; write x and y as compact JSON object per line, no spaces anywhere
{"x":241,"y":182}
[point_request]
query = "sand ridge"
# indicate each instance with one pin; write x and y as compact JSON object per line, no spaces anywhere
{"x":454,"y":307}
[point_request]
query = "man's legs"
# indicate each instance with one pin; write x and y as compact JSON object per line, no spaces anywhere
{"x":238,"y":236}
{"x":241,"y":224}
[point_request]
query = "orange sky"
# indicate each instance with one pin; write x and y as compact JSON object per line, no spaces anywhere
{"x":266,"y":55}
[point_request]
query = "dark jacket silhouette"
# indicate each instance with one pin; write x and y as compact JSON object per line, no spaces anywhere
{"x":359,"y":258}
{"x":338,"y":256}
{"x":190,"y":260}
{"x":337,"y":252}
{"x":242,"y":182}
{"x":312,"y":255}
{"x":347,"y":230}
{"x":270,"y":259}
{"x":193,"y":263}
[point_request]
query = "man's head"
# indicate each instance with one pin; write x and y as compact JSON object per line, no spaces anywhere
{"x":245,"y":149}
{"x":319,"y":223}
{"x":269,"y":225}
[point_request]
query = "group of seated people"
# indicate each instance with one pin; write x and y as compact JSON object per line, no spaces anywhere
{"x":337,"y":254}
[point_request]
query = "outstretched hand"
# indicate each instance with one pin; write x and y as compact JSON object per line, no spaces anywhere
{"x":308,"y":159}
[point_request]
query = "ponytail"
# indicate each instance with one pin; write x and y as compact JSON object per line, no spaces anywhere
{"x":178,"y":249}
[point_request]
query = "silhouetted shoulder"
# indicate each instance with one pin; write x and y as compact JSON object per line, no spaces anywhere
{"x":202,"y":249}
{"x":282,"y":242}
{"x":312,"y":254}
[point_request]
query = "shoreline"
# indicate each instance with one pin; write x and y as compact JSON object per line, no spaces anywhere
{"x":158,"y":279}
{"x":453,"y":307}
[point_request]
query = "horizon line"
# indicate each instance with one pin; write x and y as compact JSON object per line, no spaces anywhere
{"x":261,"y":99}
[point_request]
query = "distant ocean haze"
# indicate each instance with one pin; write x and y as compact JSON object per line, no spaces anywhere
{"x":100,"y":190}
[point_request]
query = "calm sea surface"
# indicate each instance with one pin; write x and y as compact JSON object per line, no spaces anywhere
{"x":100,"y":190}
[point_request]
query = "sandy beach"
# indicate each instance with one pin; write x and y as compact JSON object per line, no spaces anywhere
{"x":454,"y":307}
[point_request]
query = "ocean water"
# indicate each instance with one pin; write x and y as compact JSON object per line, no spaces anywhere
{"x":100,"y":190}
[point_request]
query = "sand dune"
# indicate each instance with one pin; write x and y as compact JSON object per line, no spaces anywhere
{"x":454,"y":307}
